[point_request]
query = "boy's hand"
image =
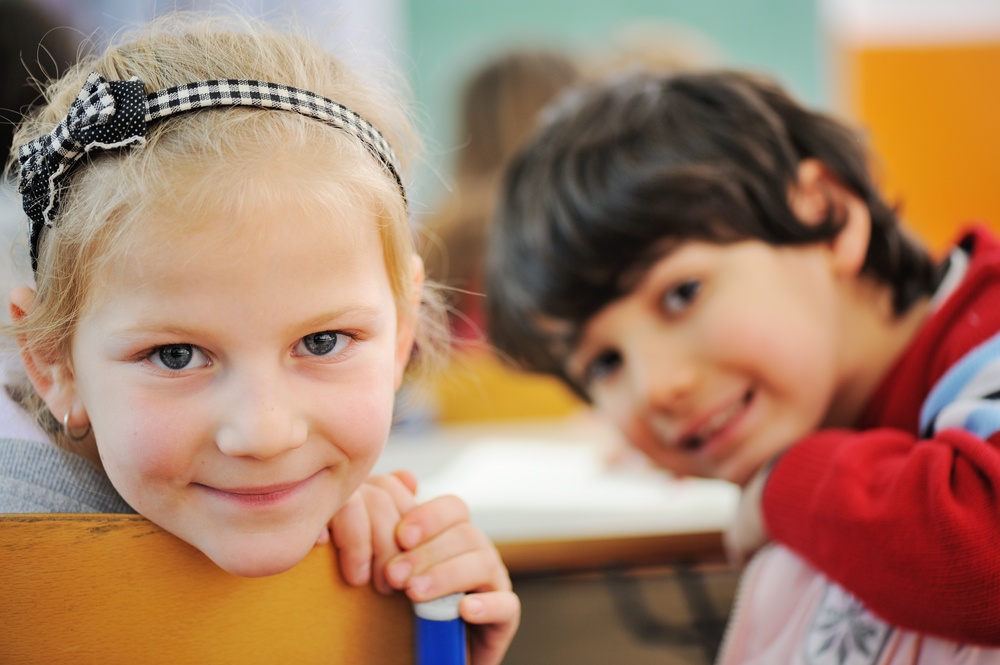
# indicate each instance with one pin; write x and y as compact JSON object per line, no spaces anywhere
{"x":747,"y":533}
{"x":364,"y":530}
{"x":444,"y":553}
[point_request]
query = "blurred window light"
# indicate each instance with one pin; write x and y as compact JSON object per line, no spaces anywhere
{"x":912,"y":21}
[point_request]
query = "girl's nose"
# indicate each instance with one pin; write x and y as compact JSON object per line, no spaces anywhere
{"x":264,"y":423}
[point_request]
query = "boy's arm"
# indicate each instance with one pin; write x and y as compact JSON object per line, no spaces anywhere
{"x":907,"y":517}
{"x":911,"y":527}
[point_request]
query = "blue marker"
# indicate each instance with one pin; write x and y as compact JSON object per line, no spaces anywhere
{"x":440,"y":631}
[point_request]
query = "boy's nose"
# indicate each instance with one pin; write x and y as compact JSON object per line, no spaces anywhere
{"x":264,"y":424}
{"x":662,"y":379}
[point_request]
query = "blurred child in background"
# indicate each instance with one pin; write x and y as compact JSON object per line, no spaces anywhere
{"x":499,"y":107}
{"x":710,"y":265}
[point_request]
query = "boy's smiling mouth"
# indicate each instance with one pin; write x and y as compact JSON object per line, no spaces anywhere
{"x":710,"y":427}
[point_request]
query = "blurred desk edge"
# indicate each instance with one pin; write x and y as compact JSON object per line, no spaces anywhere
{"x":527,"y":558}
{"x":435,"y":451}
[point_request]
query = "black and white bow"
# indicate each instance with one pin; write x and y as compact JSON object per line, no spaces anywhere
{"x":114,"y":114}
{"x":104,"y":115}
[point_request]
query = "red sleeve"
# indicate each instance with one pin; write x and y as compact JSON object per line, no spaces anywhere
{"x":910,"y":527}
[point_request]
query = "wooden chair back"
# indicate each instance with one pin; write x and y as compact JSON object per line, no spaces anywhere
{"x":116,"y":589}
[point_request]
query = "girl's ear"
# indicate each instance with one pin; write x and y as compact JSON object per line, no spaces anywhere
{"x":812,"y":197}
{"x":407,"y":321}
{"x":52,"y":377}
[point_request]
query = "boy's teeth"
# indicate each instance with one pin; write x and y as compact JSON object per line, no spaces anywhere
{"x":712,"y":427}
{"x":691,"y":443}
{"x":715,"y":423}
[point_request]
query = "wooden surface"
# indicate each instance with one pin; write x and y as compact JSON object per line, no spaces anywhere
{"x":530,"y":558}
{"x":116,"y":589}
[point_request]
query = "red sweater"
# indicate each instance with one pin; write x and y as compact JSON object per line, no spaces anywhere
{"x":909,"y":525}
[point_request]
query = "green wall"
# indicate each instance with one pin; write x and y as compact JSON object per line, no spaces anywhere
{"x":447,"y":38}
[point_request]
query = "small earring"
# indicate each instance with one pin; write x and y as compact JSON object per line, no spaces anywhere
{"x":69,"y":434}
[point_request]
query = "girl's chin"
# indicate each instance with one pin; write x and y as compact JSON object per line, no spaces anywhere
{"x":252,"y":560}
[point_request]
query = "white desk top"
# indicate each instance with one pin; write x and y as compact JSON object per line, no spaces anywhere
{"x":546,"y":480}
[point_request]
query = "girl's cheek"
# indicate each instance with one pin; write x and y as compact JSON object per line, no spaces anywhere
{"x":362,"y":423}
{"x":145,"y":447}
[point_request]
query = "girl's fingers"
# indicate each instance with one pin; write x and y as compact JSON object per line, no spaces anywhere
{"x":364,"y":530}
{"x":352,"y":535}
{"x":407,"y":478}
{"x":459,"y":539}
{"x":462,"y":559}
{"x":429,"y":519}
{"x":493,"y":619}
{"x":399,"y":486}
{"x":383,"y":515}
{"x":445,"y":553}
{"x":491,"y":607}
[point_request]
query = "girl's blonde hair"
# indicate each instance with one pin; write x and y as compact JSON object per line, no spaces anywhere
{"x":109,"y":195}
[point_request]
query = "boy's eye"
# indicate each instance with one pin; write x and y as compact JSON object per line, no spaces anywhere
{"x":601,"y":367}
{"x":178,"y":356}
{"x":680,"y":297}
{"x":322,"y":343}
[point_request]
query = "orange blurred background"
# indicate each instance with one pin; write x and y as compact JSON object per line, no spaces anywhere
{"x":924,"y":80}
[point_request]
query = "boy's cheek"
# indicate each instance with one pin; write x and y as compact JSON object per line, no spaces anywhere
{"x":673,"y":461}
{"x":659,"y":454}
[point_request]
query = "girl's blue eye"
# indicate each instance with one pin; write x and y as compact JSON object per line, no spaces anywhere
{"x":679,"y":298}
{"x":176,"y":357}
{"x":322,"y":343}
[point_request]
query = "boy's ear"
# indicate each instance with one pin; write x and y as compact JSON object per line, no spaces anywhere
{"x":809,"y":197}
{"x":814,"y":195}
{"x":408,"y":321}
{"x":51,"y":376}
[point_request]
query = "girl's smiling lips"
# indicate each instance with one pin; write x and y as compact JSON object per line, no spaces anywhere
{"x":261,"y":495}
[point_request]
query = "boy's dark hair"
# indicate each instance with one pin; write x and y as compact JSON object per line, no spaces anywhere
{"x":621,"y":171}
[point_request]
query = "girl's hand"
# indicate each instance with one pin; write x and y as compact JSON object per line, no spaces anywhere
{"x":442,"y":552}
{"x":364,"y":530}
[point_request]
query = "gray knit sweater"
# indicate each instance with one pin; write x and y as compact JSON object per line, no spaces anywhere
{"x":38,"y":477}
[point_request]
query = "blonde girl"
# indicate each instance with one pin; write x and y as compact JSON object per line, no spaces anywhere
{"x":226,"y":298}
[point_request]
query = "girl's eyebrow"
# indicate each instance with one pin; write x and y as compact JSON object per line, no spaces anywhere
{"x":146,"y":329}
{"x":368,"y":314}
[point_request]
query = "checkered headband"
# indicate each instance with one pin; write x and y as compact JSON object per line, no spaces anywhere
{"x":113,"y":114}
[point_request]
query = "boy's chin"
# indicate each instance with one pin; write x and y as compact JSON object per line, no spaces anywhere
{"x":737,"y":475}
